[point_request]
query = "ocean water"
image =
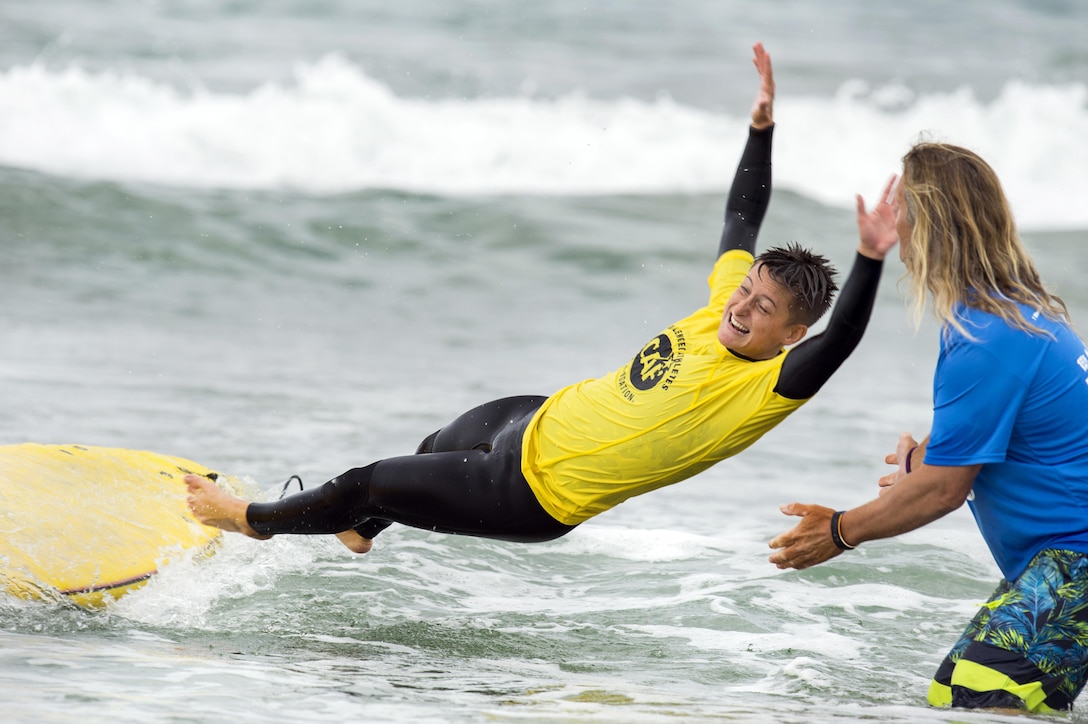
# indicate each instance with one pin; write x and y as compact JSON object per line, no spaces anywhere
{"x":287,"y":237}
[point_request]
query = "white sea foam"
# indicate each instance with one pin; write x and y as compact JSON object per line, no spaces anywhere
{"x":335,"y":129}
{"x":182,"y":593}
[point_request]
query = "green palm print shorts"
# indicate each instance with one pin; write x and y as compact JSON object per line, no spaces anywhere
{"x":1028,"y":645}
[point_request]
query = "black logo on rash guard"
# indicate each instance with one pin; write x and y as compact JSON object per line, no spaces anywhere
{"x":649,"y":366}
{"x":657,"y":364}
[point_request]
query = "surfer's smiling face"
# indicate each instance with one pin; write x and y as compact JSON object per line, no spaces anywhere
{"x":757,"y":322}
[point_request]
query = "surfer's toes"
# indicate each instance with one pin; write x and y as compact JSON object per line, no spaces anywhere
{"x":196,"y":482}
{"x":213,"y":506}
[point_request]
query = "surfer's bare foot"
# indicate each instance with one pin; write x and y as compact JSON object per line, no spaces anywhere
{"x":216,"y":507}
{"x":355,"y":542}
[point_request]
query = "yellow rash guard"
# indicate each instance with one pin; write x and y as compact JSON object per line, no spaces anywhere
{"x":682,"y":404}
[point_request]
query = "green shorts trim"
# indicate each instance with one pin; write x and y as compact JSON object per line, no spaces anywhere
{"x":1027,"y":646}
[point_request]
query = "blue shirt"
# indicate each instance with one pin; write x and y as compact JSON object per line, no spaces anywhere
{"x":1016,"y":402}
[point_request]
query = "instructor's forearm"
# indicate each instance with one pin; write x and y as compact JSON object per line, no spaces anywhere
{"x":928,"y":493}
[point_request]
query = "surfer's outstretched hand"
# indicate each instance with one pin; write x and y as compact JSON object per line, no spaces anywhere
{"x":877,"y":230}
{"x":763,"y":107}
{"x":213,"y":506}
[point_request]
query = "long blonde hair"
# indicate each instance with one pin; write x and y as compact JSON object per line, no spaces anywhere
{"x":964,"y":247}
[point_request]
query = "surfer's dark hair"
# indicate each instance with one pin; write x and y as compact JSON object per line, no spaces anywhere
{"x":809,"y":277}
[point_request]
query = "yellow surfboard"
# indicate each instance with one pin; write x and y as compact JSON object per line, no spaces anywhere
{"x":92,"y":523}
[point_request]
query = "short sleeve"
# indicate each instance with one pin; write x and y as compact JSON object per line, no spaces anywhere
{"x":728,"y":273}
{"x":976,"y":399}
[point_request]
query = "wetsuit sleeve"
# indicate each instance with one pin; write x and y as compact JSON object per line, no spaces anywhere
{"x":810,"y":364}
{"x":749,"y":195}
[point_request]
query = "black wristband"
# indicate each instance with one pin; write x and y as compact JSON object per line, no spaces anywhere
{"x":836,"y":532}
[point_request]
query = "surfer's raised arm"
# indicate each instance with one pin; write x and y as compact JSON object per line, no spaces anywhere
{"x":813,"y":361}
{"x":750,"y":193}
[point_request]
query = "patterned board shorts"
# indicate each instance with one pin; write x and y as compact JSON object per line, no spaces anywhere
{"x":1028,"y":645}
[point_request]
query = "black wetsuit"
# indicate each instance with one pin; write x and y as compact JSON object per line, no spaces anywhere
{"x":466,"y":478}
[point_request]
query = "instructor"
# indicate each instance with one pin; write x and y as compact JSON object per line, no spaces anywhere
{"x":1009,"y":435}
